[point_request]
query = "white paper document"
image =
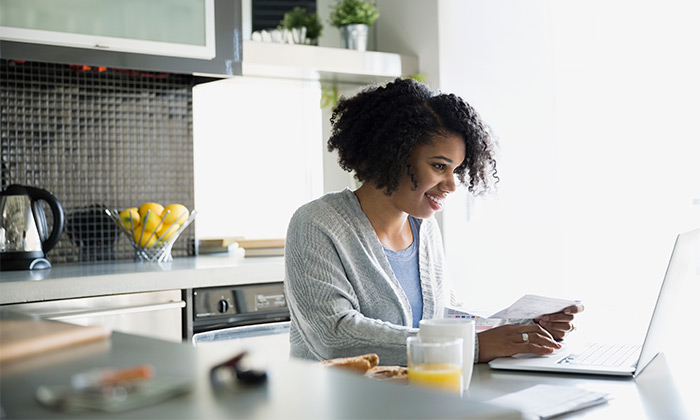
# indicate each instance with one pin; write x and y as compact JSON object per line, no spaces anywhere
{"x":452,"y":312}
{"x":546,"y":401}
{"x":527,"y":307}
{"x":533,"y":306}
{"x":482,"y":320}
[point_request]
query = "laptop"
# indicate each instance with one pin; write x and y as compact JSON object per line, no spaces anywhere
{"x":620,"y":359}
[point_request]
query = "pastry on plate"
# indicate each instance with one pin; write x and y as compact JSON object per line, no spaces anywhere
{"x":361,"y":363}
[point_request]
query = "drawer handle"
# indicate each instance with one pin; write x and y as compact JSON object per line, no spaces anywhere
{"x":115,"y":311}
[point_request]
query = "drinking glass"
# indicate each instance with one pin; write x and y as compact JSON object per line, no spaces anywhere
{"x":436,"y":365}
{"x":449,"y":329}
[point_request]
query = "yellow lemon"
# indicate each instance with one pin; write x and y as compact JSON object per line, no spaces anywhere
{"x":155,"y":208}
{"x":165,"y":233}
{"x":130,"y":215}
{"x":147,"y":240}
{"x":178,"y":214}
{"x":150,"y":221}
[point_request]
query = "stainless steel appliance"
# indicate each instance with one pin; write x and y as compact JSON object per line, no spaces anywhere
{"x":24,"y":236}
{"x":251,"y":311}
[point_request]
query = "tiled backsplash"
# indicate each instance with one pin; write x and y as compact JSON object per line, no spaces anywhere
{"x":97,"y":138}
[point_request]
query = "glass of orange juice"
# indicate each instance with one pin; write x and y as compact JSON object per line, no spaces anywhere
{"x":435,"y":365}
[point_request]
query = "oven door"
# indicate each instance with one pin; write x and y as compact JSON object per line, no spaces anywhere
{"x":268,"y":343}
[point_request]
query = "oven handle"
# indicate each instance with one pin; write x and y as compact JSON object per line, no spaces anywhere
{"x":244,"y":331}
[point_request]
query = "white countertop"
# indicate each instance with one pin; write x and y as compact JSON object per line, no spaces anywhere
{"x":302,"y":390}
{"x":86,"y":280}
{"x":295,"y":389}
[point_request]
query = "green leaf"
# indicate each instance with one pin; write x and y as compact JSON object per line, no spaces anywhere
{"x":299,"y":17}
{"x":350,"y":12}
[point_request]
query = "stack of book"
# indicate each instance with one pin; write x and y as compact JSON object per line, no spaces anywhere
{"x":239,"y":245}
{"x":228,"y":245}
{"x":262,"y":247}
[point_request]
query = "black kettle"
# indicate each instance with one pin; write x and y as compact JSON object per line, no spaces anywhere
{"x":24,"y":236}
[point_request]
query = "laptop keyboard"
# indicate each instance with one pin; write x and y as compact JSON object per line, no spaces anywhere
{"x":603,"y":355}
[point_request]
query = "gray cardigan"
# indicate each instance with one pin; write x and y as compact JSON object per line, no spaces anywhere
{"x":343,"y":296}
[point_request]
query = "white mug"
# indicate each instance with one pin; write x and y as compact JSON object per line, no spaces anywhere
{"x":438,"y":330}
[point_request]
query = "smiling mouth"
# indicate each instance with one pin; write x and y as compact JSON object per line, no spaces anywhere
{"x":437,"y":201}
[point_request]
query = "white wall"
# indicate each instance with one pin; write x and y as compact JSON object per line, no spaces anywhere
{"x":595,"y":106}
{"x":410,"y":27}
{"x":498,"y":58}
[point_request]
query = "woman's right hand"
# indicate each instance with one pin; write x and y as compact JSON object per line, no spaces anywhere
{"x":508,"y":340}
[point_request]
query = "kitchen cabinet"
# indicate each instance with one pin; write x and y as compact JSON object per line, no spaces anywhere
{"x":257,"y":147}
{"x":201,"y":37}
{"x":181,"y":36}
{"x":150,"y":314}
{"x":134,"y":297}
{"x":181,"y":28}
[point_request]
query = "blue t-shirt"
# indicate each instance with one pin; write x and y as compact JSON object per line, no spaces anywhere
{"x":405,"y":266}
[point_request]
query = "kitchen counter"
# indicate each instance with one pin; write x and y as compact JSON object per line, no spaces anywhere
{"x":299,"y":389}
{"x":87,"y":280}
{"x":295,"y":389}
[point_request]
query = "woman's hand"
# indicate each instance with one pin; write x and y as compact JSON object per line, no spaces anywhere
{"x":508,"y":340}
{"x":560,"y":323}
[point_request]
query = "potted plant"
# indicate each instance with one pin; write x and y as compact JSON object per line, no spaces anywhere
{"x":298,"y":18}
{"x":354,"y":17}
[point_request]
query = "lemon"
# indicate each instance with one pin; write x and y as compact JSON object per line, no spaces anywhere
{"x":178,"y":214}
{"x":150,"y":221}
{"x":147,"y":240}
{"x":155,"y":208}
{"x":130,"y":215}
{"x":165,"y":237}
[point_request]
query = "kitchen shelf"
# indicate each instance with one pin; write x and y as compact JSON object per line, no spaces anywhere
{"x":268,"y":59}
{"x":87,"y":280}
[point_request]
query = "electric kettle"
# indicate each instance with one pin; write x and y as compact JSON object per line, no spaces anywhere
{"x":24,"y":236}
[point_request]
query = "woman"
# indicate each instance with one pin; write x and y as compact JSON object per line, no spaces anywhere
{"x":364,"y":266}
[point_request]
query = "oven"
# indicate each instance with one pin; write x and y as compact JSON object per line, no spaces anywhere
{"x":257,"y":314}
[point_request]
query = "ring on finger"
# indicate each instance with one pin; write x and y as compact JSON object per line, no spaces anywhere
{"x":526,"y":338}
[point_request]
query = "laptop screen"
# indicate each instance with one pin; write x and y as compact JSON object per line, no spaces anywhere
{"x":680,"y":268}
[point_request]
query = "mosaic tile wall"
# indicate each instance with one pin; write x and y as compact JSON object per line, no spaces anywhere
{"x":97,"y":138}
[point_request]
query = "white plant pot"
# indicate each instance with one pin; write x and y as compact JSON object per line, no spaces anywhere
{"x":355,"y":36}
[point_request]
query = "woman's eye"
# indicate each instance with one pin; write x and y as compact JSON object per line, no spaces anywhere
{"x":439,"y":166}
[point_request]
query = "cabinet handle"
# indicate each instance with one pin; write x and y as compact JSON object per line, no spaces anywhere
{"x":245,"y":331}
{"x":115,"y":311}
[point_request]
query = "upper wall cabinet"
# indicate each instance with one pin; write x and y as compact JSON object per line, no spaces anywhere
{"x":179,"y":28}
{"x":201,"y":37}
{"x":186,"y":36}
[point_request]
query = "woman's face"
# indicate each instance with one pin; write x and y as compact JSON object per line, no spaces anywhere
{"x":433,"y":167}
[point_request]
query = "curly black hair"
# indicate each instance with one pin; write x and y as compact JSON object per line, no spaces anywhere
{"x":376,"y":130}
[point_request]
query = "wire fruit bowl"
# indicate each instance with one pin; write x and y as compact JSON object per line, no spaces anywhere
{"x":161,"y":249}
